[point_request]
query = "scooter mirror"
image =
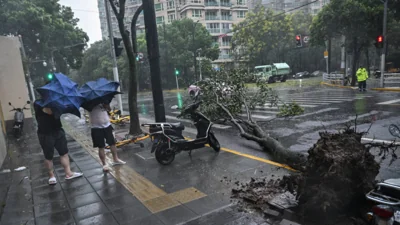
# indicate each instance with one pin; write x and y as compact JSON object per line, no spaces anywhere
{"x":10,"y":103}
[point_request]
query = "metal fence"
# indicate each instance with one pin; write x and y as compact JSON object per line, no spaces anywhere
{"x":391,"y":78}
{"x":333,"y":78}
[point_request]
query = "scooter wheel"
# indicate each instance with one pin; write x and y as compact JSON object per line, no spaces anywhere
{"x":164,"y":155}
{"x":212,"y":140}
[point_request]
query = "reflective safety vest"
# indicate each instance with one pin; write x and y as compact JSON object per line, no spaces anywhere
{"x":362,"y":74}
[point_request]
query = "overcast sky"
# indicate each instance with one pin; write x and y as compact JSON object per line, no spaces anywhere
{"x":88,"y":14}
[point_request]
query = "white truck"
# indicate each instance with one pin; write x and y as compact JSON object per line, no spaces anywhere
{"x":272,"y":73}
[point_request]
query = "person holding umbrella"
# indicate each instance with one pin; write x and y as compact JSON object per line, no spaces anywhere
{"x":98,"y":96}
{"x":58,"y":96}
{"x":102,"y":133}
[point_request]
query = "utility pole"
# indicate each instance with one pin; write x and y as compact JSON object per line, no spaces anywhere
{"x":384,"y":42}
{"x":329,"y":54}
{"x":154,"y":59}
{"x":114,"y":58}
{"x":343,"y":56}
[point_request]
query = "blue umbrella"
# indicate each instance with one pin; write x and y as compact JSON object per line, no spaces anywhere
{"x":101,"y":91}
{"x":61,"y":95}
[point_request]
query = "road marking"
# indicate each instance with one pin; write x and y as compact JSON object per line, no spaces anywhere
{"x":258,"y":159}
{"x":264,"y":111}
{"x":220,"y":126}
{"x":257,"y":116}
{"x":316,"y":101}
{"x":314,"y":113}
{"x":380,"y":141}
{"x":389,"y":102}
{"x":305,"y":106}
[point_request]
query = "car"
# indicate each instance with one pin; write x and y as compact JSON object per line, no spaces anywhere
{"x":301,"y":75}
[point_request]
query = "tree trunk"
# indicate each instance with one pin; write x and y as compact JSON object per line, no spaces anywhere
{"x":134,"y":128}
{"x":367,"y":56}
{"x":354,"y":63}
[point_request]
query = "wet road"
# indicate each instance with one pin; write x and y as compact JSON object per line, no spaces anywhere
{"x":193,"y":186}
{"x":326,"y":109}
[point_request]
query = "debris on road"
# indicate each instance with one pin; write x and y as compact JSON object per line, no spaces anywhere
{"x":20,"y":168}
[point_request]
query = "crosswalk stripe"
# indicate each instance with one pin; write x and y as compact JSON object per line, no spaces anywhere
{"x":305,"y":106}
{"x":389,"y":102}
{"x":314,"y":102}
{"x":257,"y":116}
{"x":264,"y":111}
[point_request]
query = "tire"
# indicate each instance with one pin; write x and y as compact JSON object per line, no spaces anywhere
{"x":271,"y":80}
{"x":212,"y":140}
{"x":164,"y":155}
{"x":284,"y":78}
{"x":394,"y":130}
{"x":192,"y":94}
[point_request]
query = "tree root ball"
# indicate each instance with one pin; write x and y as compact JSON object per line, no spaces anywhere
{"x":339,"y":172}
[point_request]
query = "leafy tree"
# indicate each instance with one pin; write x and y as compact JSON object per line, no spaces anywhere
{"x":46,"y":28}
{"x":178,"y":49}
{"x":260,"y":33}
{"x":358,"y":20}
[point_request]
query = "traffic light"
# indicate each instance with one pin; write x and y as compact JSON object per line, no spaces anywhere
{"x":49,"y":76}
{"x":117,"y":46}
{"x":298,"y":41}
{"x":379,"y":41}
{"x":176,"y":72}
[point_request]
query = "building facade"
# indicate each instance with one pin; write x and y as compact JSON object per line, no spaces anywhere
{"x":292,"y":5}
{"x":218,"y":16}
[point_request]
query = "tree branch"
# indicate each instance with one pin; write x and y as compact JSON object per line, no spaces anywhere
{"x":114,"y":9}
{"x":249,"y":117}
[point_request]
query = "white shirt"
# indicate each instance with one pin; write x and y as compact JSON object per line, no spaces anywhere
{"x":99,"y":117}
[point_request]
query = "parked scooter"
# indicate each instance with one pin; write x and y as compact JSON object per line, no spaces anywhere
{"x":387,"y":195}
{"x":19,"y":117}
{"x":168,"y":140}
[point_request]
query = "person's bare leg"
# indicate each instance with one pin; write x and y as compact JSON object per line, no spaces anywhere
{"x":114,"y":153}
{"x":49,"y":166}
{"x":102,"y":156}
{"x":65,"y":163}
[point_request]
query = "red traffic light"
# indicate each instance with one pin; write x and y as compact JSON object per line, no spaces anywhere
{"x":297,"y":37}
{"x":379,"y":39}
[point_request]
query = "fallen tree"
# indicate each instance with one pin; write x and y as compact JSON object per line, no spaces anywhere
{"x":332,"y":179}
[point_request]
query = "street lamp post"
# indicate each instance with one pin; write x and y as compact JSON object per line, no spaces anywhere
{"x":384,"y":42}
{"x":199,"y":51}
{"x":194,"y":52}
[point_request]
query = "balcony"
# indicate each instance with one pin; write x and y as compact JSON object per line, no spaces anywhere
{"x":215,"y":44}
{"x":225,"y":4}
{"x":226,"y":44}
{"x":225,"y":30}
{"x":214,"y":30}
{"x":226,"y":17}
{"x":225,"y":57}
{"x":211,"y":4}
{"x":212,"y":17}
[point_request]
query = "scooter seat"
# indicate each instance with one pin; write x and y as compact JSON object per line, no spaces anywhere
{"x":177,"y":126}
{"x":395,"y":182}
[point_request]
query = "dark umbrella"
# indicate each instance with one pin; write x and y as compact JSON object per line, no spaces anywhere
{"x":101,"y":91}
{"x":61,"y":95}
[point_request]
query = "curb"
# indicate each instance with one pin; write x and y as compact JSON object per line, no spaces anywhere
{"x":336,"y":85}
{"x":386,"y":89}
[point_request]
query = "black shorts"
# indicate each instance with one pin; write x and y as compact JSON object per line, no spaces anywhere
{"x":55,"y":140}
{"x":101,"y":136}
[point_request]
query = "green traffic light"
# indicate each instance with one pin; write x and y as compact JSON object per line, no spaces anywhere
{"x":176,"y":72}
{"x":50,"y":76}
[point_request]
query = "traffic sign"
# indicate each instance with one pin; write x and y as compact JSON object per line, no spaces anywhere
{"x":325,"y":54}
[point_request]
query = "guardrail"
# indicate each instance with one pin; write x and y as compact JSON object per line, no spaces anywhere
{"x":333,"y":78}
{"x":391,"y":78}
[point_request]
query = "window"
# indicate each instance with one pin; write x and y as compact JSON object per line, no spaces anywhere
{"x":212,"y":25}
{"x":171,"y":17}
{"x":196,"y":1}
{"x":183,"y":15}
{"x":170,"y":5}
{"x":160,"y":19}
{"x":241,"y":14}
{"x":196,"y":12}
{"x":241,"y":2}
{"x":158,"y":6}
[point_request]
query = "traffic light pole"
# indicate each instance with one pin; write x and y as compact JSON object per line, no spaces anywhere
{"x":384,"y":43}
{"x":154,"y":59}
{"x":114,"y":58}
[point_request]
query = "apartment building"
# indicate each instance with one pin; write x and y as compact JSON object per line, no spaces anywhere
{"x":292,"y":5}
{"x":218,"y":16}
{"x":130,"y":7}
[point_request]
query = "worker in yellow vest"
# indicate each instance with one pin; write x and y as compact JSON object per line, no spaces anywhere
{"x":362,"y":76}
